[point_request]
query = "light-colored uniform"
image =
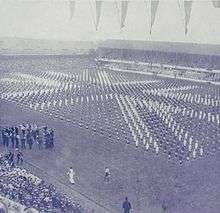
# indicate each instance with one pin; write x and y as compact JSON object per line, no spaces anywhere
{"x":71,"y":175}
{"x":107,"y":174}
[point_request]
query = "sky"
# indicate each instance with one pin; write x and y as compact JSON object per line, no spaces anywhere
{"x":50,"y":19}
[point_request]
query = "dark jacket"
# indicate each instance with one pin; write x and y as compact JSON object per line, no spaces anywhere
{"x":126,"y":206}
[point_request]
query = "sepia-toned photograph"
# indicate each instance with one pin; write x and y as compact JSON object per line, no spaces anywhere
{"x":109,"y":106}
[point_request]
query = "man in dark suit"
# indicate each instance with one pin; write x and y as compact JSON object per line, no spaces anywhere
{"x":126,"y":206}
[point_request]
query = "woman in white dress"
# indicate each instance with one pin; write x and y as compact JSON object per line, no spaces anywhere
{"x":71,"y":175}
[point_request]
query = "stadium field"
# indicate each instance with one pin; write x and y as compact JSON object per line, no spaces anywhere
{"x":159,"y":136}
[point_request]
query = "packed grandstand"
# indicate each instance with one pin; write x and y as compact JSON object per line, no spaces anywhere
{"x":20,"y":190}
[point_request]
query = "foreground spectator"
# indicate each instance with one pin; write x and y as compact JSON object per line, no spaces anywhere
{"x":126,"y":206}
{"x":23,"y":187}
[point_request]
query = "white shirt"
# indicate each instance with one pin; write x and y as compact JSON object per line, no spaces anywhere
{"x":107,"y":171}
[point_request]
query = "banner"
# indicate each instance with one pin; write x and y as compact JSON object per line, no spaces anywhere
{"x":72,"y":8}
{"x":98,"y":7}
{"x":216,"y":4}
{"x":124,"y":9}
{"x":153,"y":10}
{"x":187,"y":10}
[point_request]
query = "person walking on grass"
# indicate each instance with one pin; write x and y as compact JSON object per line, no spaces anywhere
{"x":126,"y":206}
{"x":71,"y":175}
{"x":107,"y":174}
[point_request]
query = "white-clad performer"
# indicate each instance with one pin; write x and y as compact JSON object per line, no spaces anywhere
{"x":107,"y":174}
{"x":72,"y":175}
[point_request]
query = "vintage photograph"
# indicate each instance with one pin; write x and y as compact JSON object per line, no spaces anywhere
{"x":109,"y":106}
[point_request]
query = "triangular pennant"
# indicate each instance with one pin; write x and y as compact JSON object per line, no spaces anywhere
{"x":124,"y":9}
{"x":154,"y":6}
{"x":181,"y":10}
{"x":98,"y":7}
{"x":72,"y":8}
{"x":187,"y":9}
{"x":216,"y":4}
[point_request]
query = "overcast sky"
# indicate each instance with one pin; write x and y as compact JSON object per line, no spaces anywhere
{"x":49,"y":19}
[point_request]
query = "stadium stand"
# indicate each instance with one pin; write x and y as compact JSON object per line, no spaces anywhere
{"x":24,"y":188}
{"x":196,"y":61}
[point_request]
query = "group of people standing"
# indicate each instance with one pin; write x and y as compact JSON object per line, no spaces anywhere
{"x":25,"y":136}
{"x":11,"y":159}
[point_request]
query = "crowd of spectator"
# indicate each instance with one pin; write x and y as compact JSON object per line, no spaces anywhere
{"x":32,"y":64}
{"x":170,"y":58}
{"x":12,"y":158}
{"x":25,"y":188}
{"x":26,"y":135}
{"x":166,"y":59}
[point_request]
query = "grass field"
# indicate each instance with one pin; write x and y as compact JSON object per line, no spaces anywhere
{"x":128,"y":122}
